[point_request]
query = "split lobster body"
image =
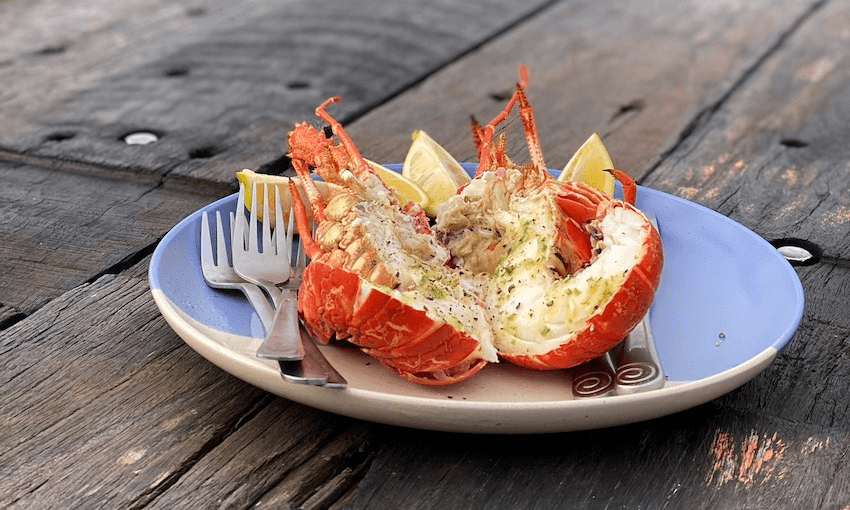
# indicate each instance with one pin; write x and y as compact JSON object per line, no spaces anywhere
{"x":590,"y":311}
{"x":518,"y":266}
{"x":335,"y":303}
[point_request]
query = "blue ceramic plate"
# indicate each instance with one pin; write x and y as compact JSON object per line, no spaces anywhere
{"x":728,"y":302}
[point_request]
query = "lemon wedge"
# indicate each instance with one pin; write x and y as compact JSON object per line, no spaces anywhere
{"x":249,"y":177}
{"x":431,"y":167}
{"x":404,"y":189}
{"x":588,"y":164}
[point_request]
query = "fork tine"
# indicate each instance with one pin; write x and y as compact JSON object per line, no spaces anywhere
{"x":300,"y":257}
{"x":282,"y":237}
{"x":233,"y":237}
{"x":206,"y":243}
{"x":290,"y":234}
{"x":252,"y":225}
{"x":239,"y":225}
{"x":267,"y":224}
{"x":220,"y":241}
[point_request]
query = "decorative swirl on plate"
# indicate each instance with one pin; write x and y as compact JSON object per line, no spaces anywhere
{"x":592,"y":384}
{"x":632,"y":374}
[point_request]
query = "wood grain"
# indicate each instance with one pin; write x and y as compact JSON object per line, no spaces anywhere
{"x":774,"y":157}
{"x":708,"y":457}
{"x":220,"y":85}
{"x":103,"y":406}
{"x":639,"y":74}
{"x":62,"y":228}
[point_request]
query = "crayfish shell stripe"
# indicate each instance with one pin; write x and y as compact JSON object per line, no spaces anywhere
{"x":338,"y":304}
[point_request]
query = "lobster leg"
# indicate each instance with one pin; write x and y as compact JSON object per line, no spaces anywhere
{"x":487,"y":132}
{"x":527,"y":115}
{"x":629,"y":188}
{"x":574,"y":250}
{"x":483,"y":136}
{"x":363,"y":168}
{"x":486,"y":136}
{"x":579,"y":201}
{"x":313,"y":195}
{"x":477,"y":132}
{"x":311,"y":249}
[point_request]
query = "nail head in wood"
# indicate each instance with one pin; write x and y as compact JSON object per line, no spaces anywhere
{"x":140,"y":138}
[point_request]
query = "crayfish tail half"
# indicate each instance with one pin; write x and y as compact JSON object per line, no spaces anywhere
{"x":572,"y":270}
{"x":405,"y":338}
{"x":378,"y":275}
{"x":602,"y":301}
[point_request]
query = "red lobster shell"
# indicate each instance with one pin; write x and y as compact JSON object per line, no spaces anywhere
{"x":546,"y":274}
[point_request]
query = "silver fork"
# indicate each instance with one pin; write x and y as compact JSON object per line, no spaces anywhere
{"x":219,"y":273}
{"x":268,"y":268}
{"x":278,"y":343}
{"x":638,"y":367}
{"x":313,"y":369}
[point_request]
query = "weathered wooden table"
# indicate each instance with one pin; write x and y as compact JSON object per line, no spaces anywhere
{"x":743,"y":107}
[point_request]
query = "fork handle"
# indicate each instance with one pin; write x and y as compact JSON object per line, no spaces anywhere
{"x":594,"y":378}
{"x":314,"y":369}
{"x":261,"y":305}
{"x":283,"y":341}
{"x":638,"y":368}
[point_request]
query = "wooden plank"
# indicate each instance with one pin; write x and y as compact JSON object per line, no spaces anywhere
{"x":63,"y":228}
{"x":637,"y":74}
{"x":708,"y":457}
{"x":44,"y":45}
{"x":219,"y":85}
{"x":283,"y":458}
{"x":104,"y":407}
{"x":774,"y":157}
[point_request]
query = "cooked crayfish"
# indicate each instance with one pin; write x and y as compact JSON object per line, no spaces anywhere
{"x":519,"y":265}
{"x":377,"y":274}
